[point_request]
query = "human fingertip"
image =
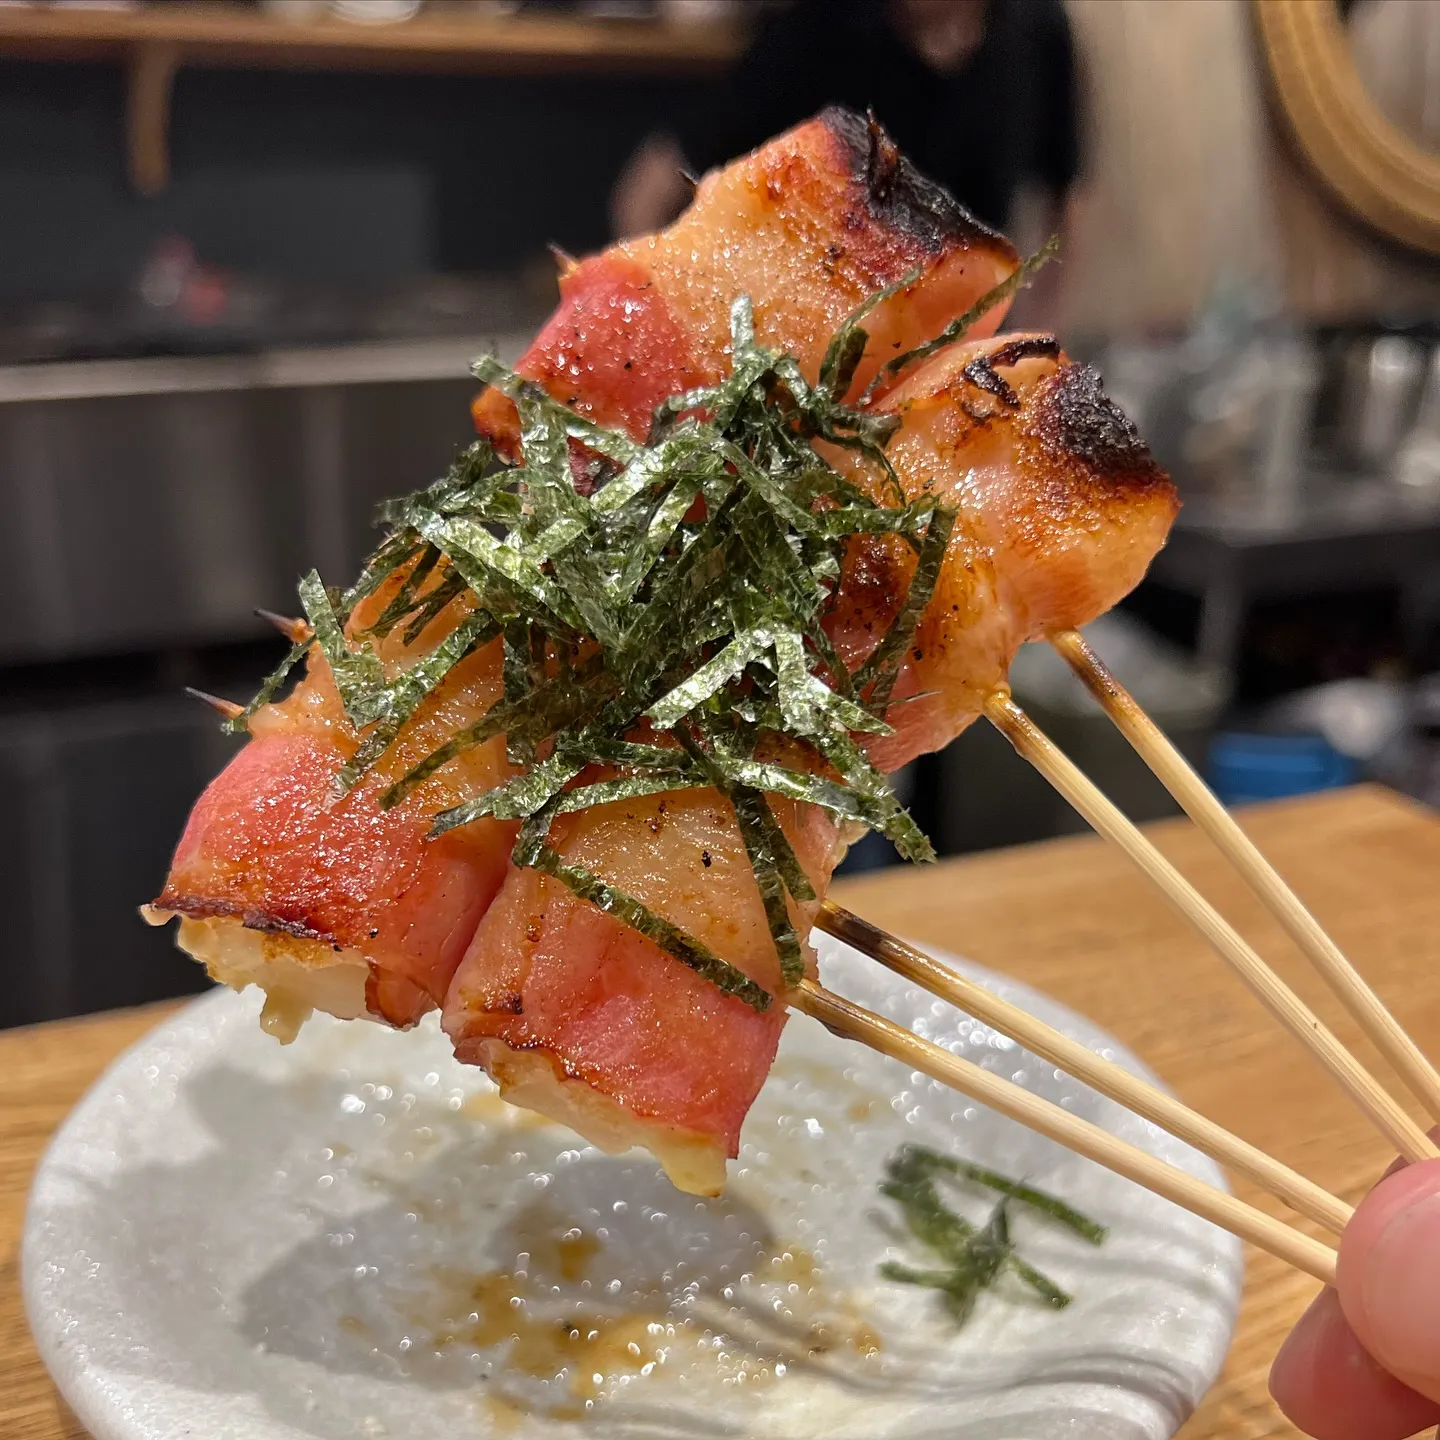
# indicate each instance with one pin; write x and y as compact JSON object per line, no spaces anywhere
{"x":1389,"y":1274}
{"x":1296,"y":1367}
{"x":1329,"y":1388}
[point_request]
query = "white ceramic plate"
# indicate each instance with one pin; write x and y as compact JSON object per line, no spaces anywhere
{"x":233,"y":1239}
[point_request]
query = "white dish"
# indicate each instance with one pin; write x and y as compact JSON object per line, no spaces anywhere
{"x":228,"y":1238}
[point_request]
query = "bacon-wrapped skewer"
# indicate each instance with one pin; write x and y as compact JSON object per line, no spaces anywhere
{"x":345,"y":908}
{"x":1054,"y":510}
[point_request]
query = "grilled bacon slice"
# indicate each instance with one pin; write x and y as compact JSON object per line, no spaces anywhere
{"x":341,"y":906}
{"x":808,"y":226}
{"x":1061,"y":508}
{"x":580,"y":1017}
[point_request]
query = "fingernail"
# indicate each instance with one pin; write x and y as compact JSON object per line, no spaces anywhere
{"x":1396,"y":1248}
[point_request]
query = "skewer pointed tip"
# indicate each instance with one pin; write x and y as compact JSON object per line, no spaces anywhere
{"x":228,"y":708}
{"x":293,"y":630}
{"x":565,"y":262}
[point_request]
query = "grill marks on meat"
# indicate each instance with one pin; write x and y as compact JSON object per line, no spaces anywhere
{"x":808,"y":226}
{"x":1049,"y":534}
{"x":1061,"y":509}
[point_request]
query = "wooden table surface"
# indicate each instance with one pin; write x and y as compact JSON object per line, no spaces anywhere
{"x":1071,"y":917}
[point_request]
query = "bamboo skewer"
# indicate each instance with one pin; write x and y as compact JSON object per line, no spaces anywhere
{"x":853,"y":1022}
{"x":1200,"y":804}
{"x":1287,"y":1007}
{"x":1084,"y":1064}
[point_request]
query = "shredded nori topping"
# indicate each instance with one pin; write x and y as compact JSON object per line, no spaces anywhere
{"x":663,"y":631}
{"x":972,"y":1257}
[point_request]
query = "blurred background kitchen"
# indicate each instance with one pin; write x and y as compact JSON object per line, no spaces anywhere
{"x":247,"y":251}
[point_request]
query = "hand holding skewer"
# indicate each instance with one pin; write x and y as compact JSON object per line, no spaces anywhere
{"x":1363,"y":1363}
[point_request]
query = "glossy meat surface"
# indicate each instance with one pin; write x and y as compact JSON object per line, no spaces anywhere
{"x":1060,"y":511}
{"x":549,"y":973}
{"x":809,"y":226}
{"x":268,"y":847}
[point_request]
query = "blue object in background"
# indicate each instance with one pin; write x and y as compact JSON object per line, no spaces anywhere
{"x":1269,"y":767}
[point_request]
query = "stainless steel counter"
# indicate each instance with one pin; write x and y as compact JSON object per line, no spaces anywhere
{"x":154,"y":503}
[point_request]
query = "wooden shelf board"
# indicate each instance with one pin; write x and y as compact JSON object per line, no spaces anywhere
{"x":234,"y":35}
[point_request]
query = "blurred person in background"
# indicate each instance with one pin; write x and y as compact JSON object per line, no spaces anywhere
{"x":980,"y":94}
